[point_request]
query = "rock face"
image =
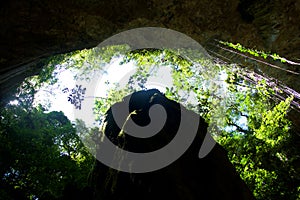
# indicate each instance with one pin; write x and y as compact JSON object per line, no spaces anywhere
{"x":33,"y":30}
{"x":188,"y":178}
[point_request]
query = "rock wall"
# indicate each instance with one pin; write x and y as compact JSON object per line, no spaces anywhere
{"x":32,"y":29}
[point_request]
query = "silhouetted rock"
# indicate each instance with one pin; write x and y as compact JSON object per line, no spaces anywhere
{"x":188,"y":178}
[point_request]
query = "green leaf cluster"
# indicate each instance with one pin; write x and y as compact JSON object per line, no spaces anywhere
{"x":254,"y":52}
{"x":253,"y":123}
{"x":39,"y":153}
{"x":260,"y":148}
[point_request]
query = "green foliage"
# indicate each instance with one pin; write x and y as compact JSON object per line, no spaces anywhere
{"x":259,"y":149}
{"x":147,"y":63}
{"x":254,"y":52}
{"x":103,"y":104}
{"x":84,"y":62}
{"x":88,"y":62}
{"x":190,"y":73}
{"x":40,"y":152}
{"x":274,"y":127}
{"x":254,"y":127}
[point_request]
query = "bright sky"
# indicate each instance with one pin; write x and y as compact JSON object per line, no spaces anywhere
{"x":116,"y":73}
{"x":97,"y":87}
{"x":59,"y":100}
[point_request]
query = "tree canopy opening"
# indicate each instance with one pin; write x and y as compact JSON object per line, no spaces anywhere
{"x":44,"y":152}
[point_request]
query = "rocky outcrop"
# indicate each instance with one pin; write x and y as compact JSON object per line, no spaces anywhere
{"x":188,"y":178}
{"x":33,"y":30}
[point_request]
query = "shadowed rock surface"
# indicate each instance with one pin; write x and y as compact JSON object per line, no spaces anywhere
{"x":188,"y":178}
{"x":32,"y":30}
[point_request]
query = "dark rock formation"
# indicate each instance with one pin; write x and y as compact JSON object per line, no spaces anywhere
{"x":32,"y":30}
{"x":188,"y":178}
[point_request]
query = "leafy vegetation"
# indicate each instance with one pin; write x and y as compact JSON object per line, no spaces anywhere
{"x":260,"y":148}
{"x":253,"y":52}
{"x":253,"y":124}
{"x":42,"y":152}
{"x":258,"y":53}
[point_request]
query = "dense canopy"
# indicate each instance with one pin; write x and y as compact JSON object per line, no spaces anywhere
{"x":44,"y":154}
